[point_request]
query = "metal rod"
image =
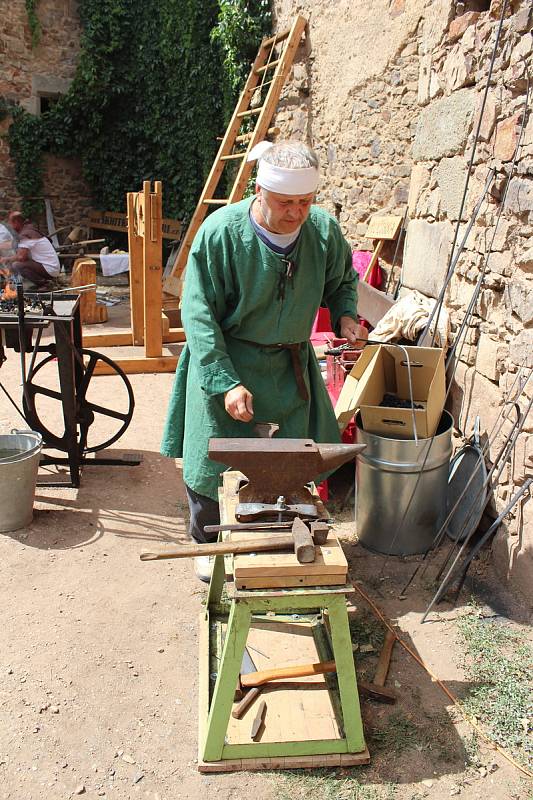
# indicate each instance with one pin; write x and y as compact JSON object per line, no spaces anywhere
{"x":484,"y":448}
{"x":442,"y":587}
{"x":487,"y":535}
{"x":474,"y":144}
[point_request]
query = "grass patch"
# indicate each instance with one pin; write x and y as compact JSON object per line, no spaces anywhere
{"x":328,"y":785}
{"x":497,"y":658}
{"x":399,"y":734}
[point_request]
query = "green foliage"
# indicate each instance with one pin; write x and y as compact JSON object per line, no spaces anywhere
{"x":33,"y":22}
{"x":25,"y":142}
{"x":322,"y":784}
{"x":146,"y":102}
{"x":497,"y":658}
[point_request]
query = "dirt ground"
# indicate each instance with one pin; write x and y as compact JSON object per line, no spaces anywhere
{"x":98,"y":651}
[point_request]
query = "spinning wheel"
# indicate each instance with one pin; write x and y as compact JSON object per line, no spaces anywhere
{"x":97,"y":424}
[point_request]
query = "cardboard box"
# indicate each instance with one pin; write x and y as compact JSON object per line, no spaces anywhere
{"x":384,"y":368}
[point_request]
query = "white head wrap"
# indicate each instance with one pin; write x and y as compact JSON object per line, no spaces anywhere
{"x":281,"y":179}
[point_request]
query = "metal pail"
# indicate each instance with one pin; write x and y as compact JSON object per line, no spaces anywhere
{"x":19,"y":460}
{"x":395,"y":481}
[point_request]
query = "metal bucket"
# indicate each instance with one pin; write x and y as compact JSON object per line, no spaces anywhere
{"x":19,"y":460}
{"x":393,"y":481}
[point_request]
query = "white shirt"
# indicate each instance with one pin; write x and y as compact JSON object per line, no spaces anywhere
{"x":42,"y":251}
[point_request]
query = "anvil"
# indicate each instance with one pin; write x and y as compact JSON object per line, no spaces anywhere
{"x":277,"y":471}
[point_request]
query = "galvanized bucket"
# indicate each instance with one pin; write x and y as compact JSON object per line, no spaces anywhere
{"x":393,"y":481}
{"x":19,"y":460}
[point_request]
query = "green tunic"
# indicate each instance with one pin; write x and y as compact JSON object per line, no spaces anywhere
{"x":230,"y":305}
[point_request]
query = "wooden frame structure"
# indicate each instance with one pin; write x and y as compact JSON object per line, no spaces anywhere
{"x":264,"y":66}
{"x":150,"y":326}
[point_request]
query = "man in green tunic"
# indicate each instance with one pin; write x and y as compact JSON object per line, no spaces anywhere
{"x":257,"y":273}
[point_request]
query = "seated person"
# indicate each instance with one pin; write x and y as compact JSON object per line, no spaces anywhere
{"x":35,"y":258}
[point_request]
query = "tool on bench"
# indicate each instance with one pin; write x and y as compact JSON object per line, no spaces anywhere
{"x":255,"y":681}
{"x":302,"y":540}
{"x":277,"y":471}
{"x":258,"y":721}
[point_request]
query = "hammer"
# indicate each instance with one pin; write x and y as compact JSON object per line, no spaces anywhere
{"x":302,"y":540}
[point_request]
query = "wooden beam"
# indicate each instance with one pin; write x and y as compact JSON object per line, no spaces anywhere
{"x":135,"y":247}
{"x":133,"y":366}
{"x":153,"y":269}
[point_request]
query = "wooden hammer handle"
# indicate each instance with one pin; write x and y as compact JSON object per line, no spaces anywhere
{"x":299,"y":671}
{"x":255,"y":545}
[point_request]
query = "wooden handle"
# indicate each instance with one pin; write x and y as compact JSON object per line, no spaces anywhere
{"x":299,"y":671}
{"x":380,"y":675}
{"x":246,"y":702}
{"x":304,"y":547}
{"x":255,"y":545}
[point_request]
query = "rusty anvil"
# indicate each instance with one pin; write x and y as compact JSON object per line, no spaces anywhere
{"x":277,"y":471}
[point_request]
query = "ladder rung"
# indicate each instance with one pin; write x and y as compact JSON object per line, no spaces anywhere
{"x":245,"y":137}
{"x":278,"y":37}
{"x":268,"y":66}
{"x":250,"y":112}
{"x":233,"y":156}
{"x":213,"y":202}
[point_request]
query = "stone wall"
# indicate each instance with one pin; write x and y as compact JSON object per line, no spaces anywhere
{"x":28,"y":74}
{"x":390,"y":93}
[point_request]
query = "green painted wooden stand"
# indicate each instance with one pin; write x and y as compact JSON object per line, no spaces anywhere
{"x":215,"y":753}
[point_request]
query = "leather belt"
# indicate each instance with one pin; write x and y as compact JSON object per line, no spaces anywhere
{"x":294,"y":349}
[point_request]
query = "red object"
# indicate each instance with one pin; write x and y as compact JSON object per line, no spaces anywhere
{"x":321,"y":332}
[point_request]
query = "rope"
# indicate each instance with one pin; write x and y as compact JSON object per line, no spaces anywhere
{"x":444,"y":688}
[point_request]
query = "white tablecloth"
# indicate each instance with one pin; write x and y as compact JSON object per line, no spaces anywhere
{"x":114,"y":263}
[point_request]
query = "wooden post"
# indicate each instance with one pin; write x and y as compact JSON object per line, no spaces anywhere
{"x":83,"y":273}
{"x":153,"y":270}
{"x":135,"y":248}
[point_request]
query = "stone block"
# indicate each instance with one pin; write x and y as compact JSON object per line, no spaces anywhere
{"x":443,"y":127}
{"x":488,"y":121}
{"x":524,"y":261}
{"x":451,"y":174}
{"x":489,"y":353}
{"x":459,"y":25}
{"x":521,"y":22}
{"x":500,"y":263}
{"x":518,"y":298}
{"x":427,"y":251}
{"x":506,"y":138}
{"x":419,"y":181}
{"x":458,"y":69}
{"x":437,"y":17}
{"x":424,"y":78}
{"x":519,"y":197}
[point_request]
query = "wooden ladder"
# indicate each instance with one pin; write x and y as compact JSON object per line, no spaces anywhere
{"x":263,"y":67}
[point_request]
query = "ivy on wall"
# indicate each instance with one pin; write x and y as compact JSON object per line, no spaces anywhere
{"x":33,"y":21}
{"x":154,"y":86}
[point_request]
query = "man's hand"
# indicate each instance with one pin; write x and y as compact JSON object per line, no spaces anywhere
{"x":238,"y":402}
{"x":355,"y":334}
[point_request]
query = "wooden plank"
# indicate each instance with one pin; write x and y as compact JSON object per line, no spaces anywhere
{"x":290,"y":581}
{"x":107,"y":339}
{"x":135,"y":366}
{"x":385,"y":227}
{"x":153,"y":270}
{"x":329,"y":560}
{"x":116,"y":221}
{"x":83,"y":274}
{"x":135,"y":247}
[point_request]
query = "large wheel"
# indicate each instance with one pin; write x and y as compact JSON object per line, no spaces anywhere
{"x":98,"y":425}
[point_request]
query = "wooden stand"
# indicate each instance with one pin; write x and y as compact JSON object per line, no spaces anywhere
{"x":313,"y":723}
{"x":84,"y":273}
{"x":381,"y":229}
{"x":150,"y":327}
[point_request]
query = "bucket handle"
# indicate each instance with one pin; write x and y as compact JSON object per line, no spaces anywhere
{"x":19,"y":432}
